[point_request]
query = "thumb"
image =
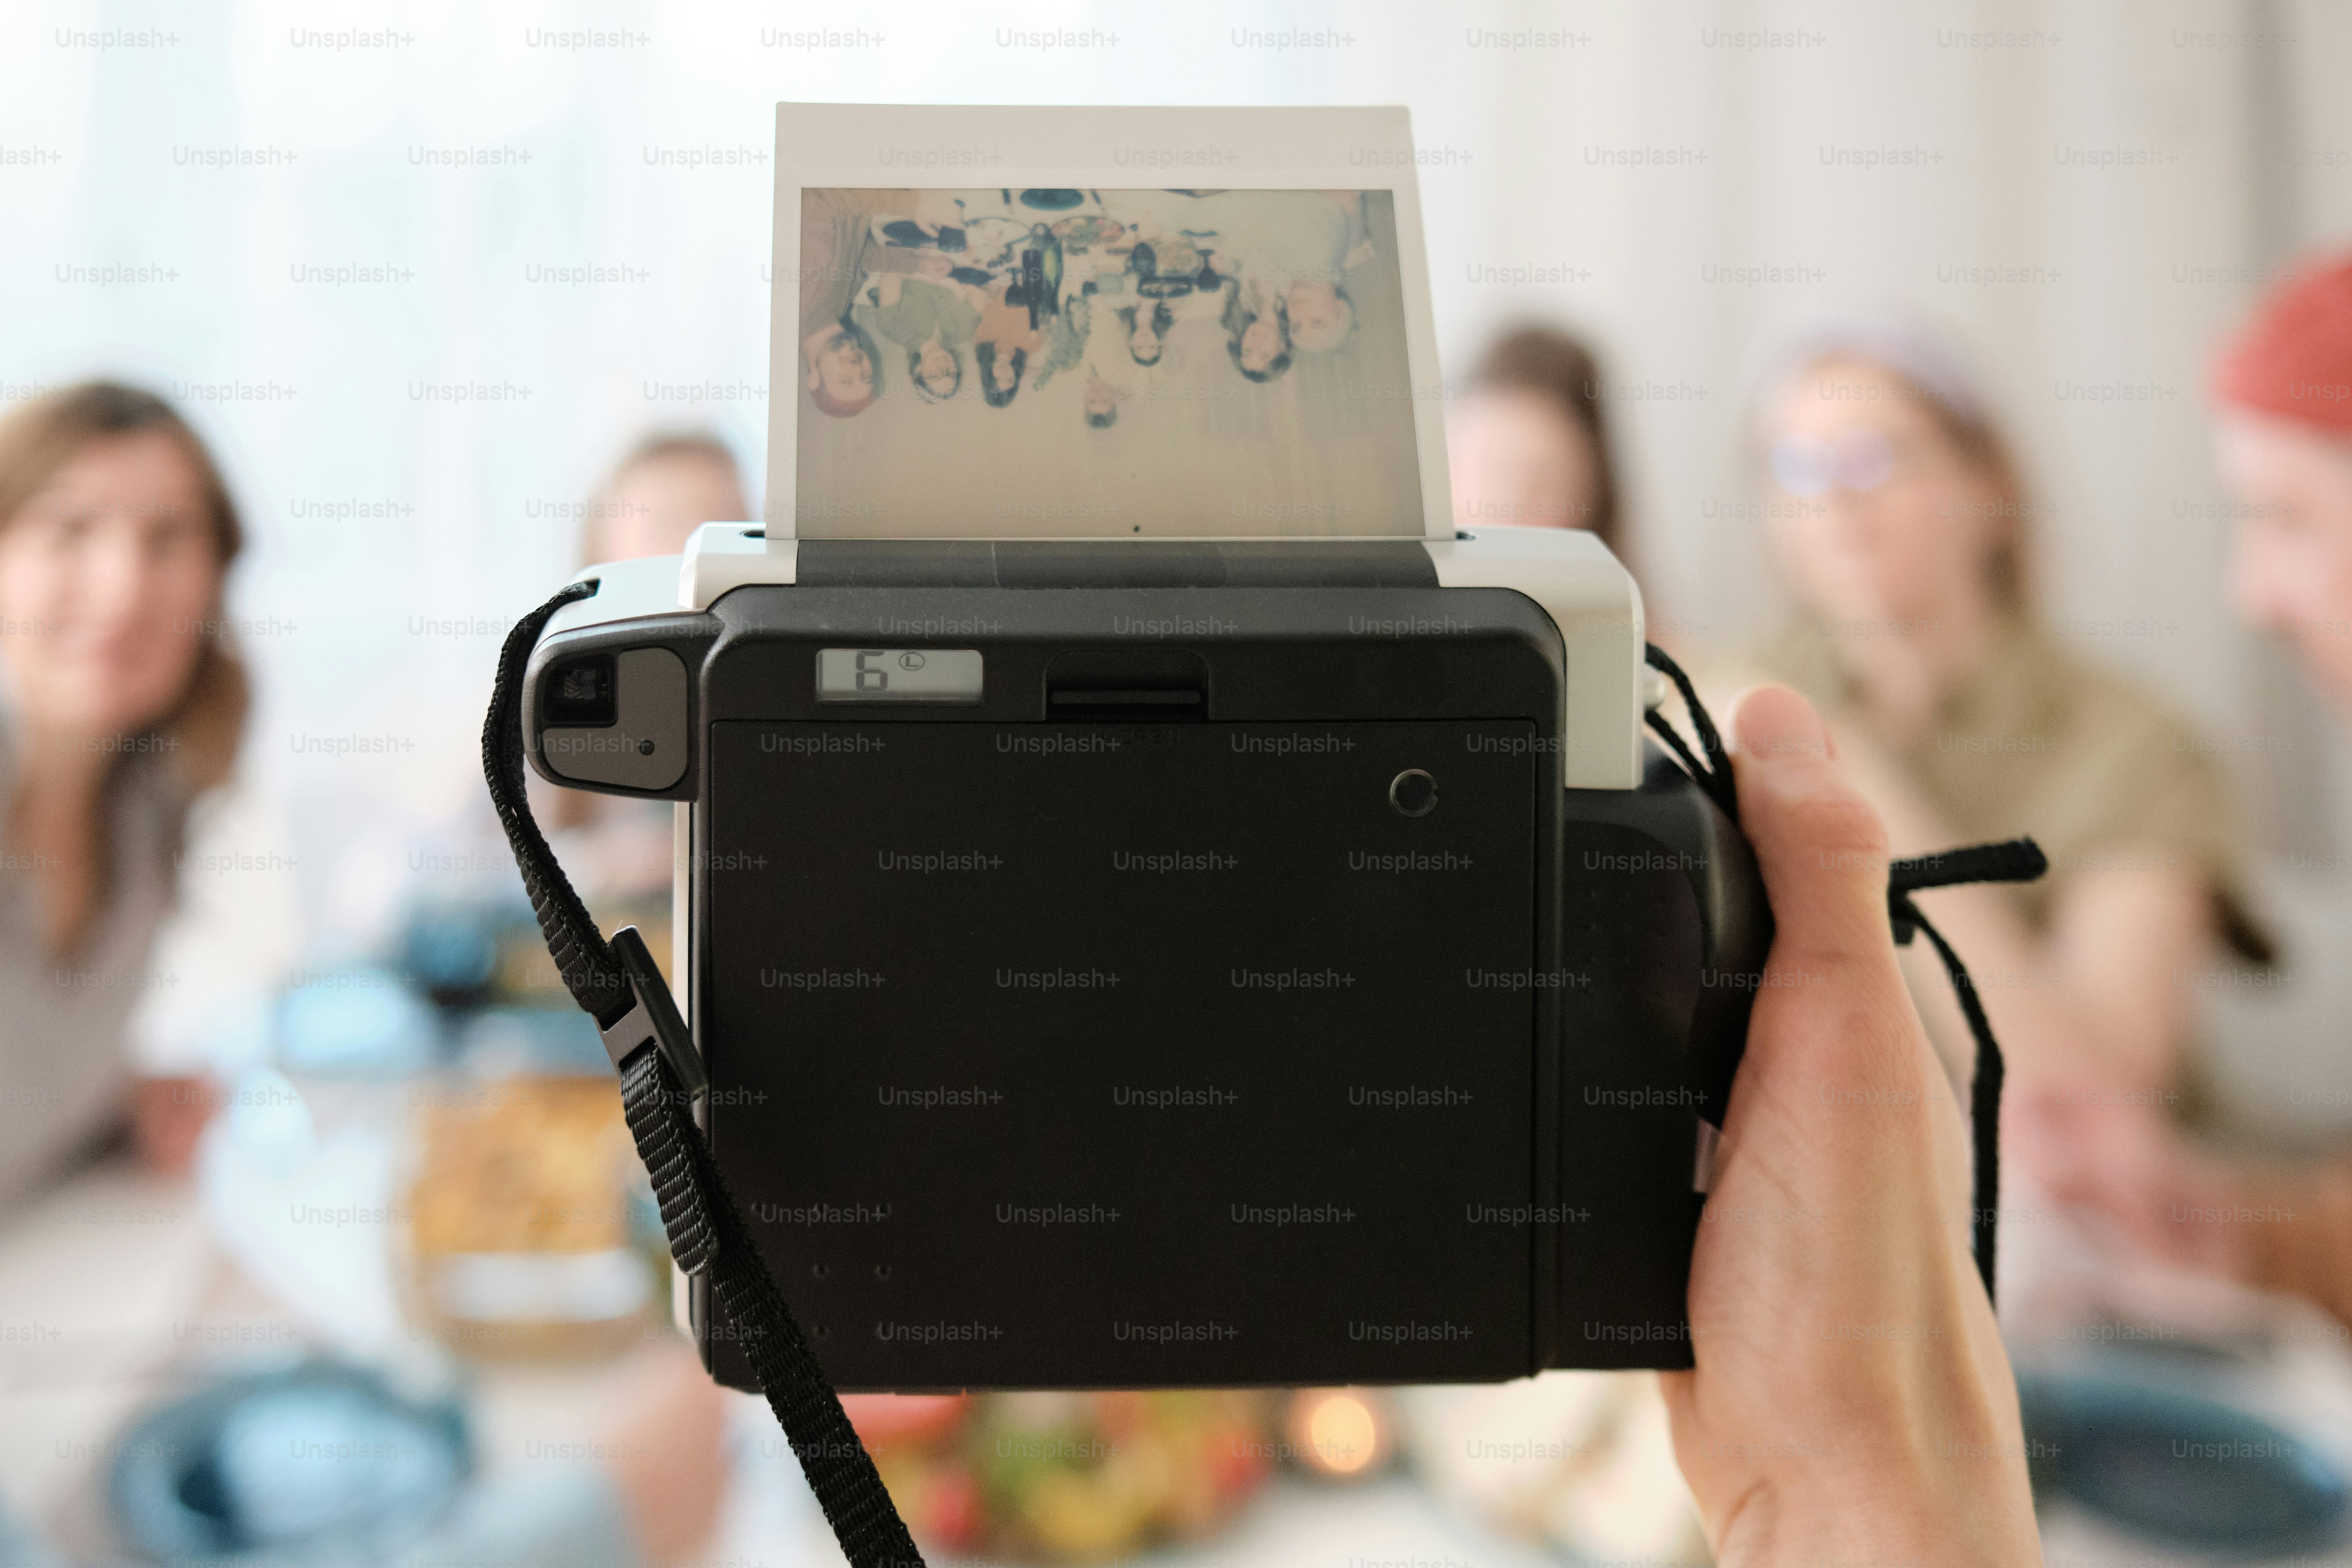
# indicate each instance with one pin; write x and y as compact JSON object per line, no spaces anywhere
{"x":1820,"y":844}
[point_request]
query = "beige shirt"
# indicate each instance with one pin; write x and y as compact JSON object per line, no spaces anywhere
{"x":65,"y":1066}
{"x":2036,"y":741}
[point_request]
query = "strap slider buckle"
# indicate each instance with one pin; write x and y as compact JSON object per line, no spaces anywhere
{"x":652,"y":1019}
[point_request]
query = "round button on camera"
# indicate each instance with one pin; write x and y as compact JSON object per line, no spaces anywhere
{"x":1413,"y":792}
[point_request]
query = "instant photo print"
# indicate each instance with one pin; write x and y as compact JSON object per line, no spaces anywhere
{"x":1158,"y":905}
{"x":1011,"y":321}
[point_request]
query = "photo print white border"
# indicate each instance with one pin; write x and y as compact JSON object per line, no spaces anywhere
{"x":821,"y":146}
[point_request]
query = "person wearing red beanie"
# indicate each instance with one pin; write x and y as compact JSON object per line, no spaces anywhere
{"x":2283,"y":387}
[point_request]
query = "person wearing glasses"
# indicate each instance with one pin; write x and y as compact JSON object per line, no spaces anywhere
{"x":1901,"y":529}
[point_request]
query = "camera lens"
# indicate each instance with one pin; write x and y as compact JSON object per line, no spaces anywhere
{"x":1413,"y":792}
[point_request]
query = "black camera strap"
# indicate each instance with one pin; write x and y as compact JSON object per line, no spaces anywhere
{"x":616,"y":984}
{"x":2014,"y":860}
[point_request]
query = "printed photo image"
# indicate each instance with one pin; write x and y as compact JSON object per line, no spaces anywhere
{"x":1103,"y":361}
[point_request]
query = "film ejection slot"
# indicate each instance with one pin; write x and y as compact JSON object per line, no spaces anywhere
{"x":897,"y":675}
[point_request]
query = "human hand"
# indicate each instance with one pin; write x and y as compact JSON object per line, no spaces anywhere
{"x":1851,"y":1399}
{"x":167,"y":1116}
{"x":666,"y":1447}
{"x":1914,"y":824}
{"x":2113,"y":1154}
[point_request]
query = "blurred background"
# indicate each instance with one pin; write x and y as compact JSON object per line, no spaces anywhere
{"x":422,"y":276}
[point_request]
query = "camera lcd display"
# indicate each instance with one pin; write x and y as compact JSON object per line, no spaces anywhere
{"x":897,"y":675}
{"x":1103,"y":361}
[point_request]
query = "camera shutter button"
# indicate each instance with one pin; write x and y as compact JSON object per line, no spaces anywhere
{"x":1413,"y":792}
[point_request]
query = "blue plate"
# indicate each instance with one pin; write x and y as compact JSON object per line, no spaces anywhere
{"x":314,"y":1463}
{"x":2134,"y":1440}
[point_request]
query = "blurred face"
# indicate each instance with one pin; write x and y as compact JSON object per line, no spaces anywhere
{"x":2292,"y":567}
{"x":1318,"y":317}
{"x":938,"y":368}
{"x":1142,"y":341}
{"x":841,"y":370}
{"x":1517,"y":459}
{"x":109,"y":579}
{"x":656,"y":505}
{"x":1100,"y":398}
{"x":1260,"y":344}
{"x":1879,"y":518}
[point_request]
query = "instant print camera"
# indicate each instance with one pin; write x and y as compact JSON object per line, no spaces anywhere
{"x":1137,"y":937}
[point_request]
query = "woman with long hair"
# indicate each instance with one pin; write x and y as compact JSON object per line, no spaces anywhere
{"x":1528,"y":444}
{"x":124,"y":702}
{"x":1257,"y":333}
{"x":999,"y":379}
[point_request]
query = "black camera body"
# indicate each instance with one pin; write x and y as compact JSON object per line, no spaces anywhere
{"x":1133,"y":965}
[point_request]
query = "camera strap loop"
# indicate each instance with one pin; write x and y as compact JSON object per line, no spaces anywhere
{"x":2014,"y":860}
{"x":616,"y":984}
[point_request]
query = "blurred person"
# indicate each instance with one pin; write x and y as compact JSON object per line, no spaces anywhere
{"x":666,"y":1467}
{"x":667,"y":485}
{"x":840,"y":251}
{"x":1899,"y":519}
{"x":1290,"y":250}
{"x":123,"y":703}
{"x":1102,"y":400}
{"x":2284,"y":387}
{"x":841,"y":373}
{"x":1004,"y":346}
{"x":1265,"y":267}
{"x":931,"y":319}
{"x":1145,"y":329}
{"x":1529,"y":445}
{"x":1321,"y":314}
{"x":1257,"y":333}
{"x":619,"y":851}
{"x":1000,"y":378}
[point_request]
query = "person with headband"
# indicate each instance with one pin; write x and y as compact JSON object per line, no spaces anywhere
{"x":1900,"y":523}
